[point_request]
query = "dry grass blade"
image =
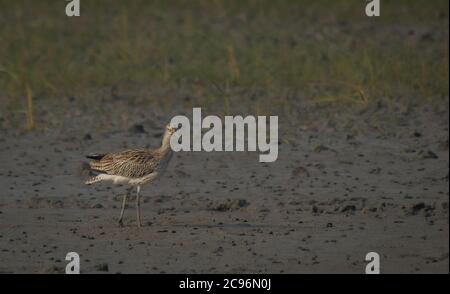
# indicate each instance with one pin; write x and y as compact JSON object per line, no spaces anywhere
{"x":30,"y":119}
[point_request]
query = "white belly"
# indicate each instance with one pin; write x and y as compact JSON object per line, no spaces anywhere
{"x":145,"y":179}
{"x":118,"y":180}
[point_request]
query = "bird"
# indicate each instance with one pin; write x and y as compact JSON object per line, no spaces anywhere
{"x":133,"y":167}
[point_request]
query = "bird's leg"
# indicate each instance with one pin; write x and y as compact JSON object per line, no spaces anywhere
{"x":138,"y":206}
{"x":124,"y":202}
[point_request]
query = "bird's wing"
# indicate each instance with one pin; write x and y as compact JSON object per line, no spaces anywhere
{"x":131,"y":163}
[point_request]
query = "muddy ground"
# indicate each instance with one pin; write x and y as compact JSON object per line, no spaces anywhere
{"x":347,"y":182}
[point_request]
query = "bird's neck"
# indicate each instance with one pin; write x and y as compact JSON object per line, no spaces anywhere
{"x":165,"y":146}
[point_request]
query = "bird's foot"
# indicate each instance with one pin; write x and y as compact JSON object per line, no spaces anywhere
{"x":120,"y":223}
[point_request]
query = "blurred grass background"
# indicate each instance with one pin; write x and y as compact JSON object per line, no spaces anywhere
{"x":225,"y":53}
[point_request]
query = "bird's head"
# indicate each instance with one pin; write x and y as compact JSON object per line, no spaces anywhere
{"x":170,"y":130}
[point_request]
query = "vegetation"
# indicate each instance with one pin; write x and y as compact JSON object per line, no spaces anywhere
{"x":320,"y":50}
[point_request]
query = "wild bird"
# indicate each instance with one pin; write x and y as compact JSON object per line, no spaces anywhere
{"x":135,"y":167}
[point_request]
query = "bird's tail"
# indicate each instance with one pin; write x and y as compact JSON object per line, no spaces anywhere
{"x":95,"y":156}
{"x":92,"y":168}
{"x":93,"y":180}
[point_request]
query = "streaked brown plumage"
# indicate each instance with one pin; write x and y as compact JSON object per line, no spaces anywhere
{"x":135,"y":167}
{"x":131,"y":164}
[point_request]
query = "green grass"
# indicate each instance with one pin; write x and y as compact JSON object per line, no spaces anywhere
{"x":325,"y":51}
